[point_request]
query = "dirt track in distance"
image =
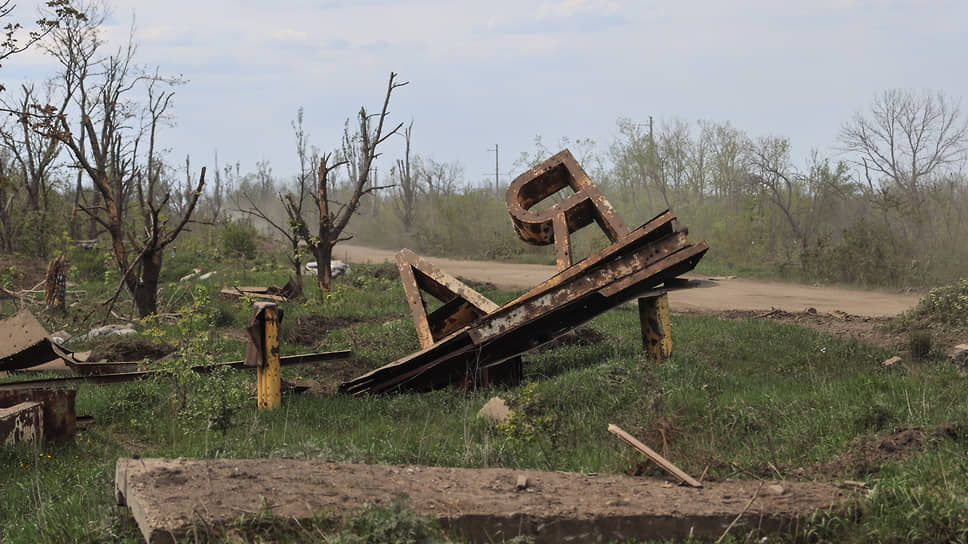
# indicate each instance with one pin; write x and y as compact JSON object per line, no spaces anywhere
{"x":720,"y":295}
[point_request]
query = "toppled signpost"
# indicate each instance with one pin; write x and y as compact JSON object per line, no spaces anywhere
{"x":473,"y":341}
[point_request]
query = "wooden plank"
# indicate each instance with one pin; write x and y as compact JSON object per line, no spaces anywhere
{"x":651,"y":454}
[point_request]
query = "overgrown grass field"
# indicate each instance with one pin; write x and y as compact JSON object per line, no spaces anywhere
{"x":739,"y":399}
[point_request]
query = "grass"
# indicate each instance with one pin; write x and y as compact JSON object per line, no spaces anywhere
{"x":739,"y":399}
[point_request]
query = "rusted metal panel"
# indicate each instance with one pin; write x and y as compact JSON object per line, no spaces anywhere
{"x":57,"y":410}
{"x":22,"y":422}
{"x":472,"y":347}
{"x":23,"y":342}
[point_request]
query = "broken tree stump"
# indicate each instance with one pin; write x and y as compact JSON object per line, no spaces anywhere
{"x":55,"y":292}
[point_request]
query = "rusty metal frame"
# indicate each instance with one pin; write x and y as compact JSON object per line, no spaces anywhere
{"x":58,"y":419}
{"x":633,"y":265}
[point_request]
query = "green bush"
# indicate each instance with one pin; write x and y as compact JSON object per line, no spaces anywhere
{"x":946,"y":305}
{"x":238,"y":239}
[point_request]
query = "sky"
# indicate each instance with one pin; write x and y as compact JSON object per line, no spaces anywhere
{"x":503,"y":72}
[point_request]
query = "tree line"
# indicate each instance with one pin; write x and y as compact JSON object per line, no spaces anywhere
{"x":82,"y":158}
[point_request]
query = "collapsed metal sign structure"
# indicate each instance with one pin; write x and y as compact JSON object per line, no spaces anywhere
{"x":470,"y":339}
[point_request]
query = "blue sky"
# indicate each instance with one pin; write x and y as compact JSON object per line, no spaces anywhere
{"x":505,"y":71}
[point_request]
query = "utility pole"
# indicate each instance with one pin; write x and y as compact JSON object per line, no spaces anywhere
{"x":497,"y":170}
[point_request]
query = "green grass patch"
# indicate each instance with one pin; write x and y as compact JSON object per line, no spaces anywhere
{"x":738,"y":399}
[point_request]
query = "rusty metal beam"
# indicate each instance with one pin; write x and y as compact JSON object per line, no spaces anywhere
{"x":124,"y":377}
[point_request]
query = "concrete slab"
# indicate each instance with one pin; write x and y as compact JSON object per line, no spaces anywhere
{"x":169,"y":496}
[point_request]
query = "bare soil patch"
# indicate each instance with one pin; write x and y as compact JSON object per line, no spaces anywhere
{"x":873,"y":330}
{"x":308,"y":330}
{"x":867,"y":454}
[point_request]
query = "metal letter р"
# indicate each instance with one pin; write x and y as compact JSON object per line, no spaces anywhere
{"x":555,"y":224}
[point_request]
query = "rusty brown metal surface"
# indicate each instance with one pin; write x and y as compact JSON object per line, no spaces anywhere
{"x":22,"y":422}
{"x":59,"y":421}
{"x":124,"y":377}
{"x":474,"y":346}
{"x":461,"y":304}
{"x":555,"y":224}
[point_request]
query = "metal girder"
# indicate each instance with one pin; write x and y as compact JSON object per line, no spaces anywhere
{"x":124,"y":377}
{"x":481,"y":339}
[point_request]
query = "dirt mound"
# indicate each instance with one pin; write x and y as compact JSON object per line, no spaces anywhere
{"x":874,"y":330}
{"x":310,"y":329}
{"x":867,"y":454}
{"x":130,"y":350}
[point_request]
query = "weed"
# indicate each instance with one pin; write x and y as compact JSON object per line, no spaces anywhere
{"x":920,"y":344}
{"x":394,"y":523}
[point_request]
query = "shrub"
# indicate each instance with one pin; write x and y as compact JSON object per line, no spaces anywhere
{"x":946,"y":305}
{"x":238,"y":239}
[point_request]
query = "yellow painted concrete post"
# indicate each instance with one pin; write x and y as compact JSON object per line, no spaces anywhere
{"x":656,"y":327}
{"x":269,"y":378}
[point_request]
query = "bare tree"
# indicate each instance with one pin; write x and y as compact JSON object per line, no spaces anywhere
{"x":13,"y":41}
{"x":356,"y":155}
{"x":113,"y":129}
{"x":440,"y":178}
{"x":804,"y":198}
{"x":34,"y":154}
{"x":905,"y":139}
{"x":407,"y":185}
{"x":293,"y":202}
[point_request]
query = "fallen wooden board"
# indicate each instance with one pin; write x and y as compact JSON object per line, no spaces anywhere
{"x":651,"y":454}
{"x":170,"y":497}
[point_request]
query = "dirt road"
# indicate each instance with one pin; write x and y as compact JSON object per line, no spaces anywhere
{"x":723,"y":294}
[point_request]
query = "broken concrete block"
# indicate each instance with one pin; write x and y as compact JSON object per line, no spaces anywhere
{"x":22,"y":422}
{"x":495,"y":411}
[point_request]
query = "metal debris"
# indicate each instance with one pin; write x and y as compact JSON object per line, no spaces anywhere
{"x":124,"y":377}
{"x":270,"y":294}
{"x":470,"y":340}
{"x":29,"y":415}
